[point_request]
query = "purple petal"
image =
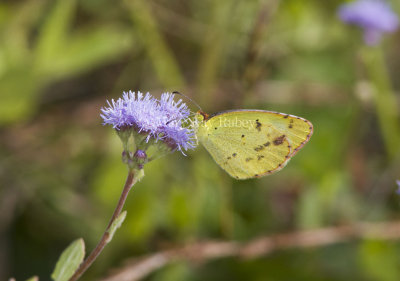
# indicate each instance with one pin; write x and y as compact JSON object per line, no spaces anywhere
{"x":374,"y":16}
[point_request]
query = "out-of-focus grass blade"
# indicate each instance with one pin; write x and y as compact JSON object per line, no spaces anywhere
{"x":53,"y":33}
{"x":87,"y":50}
{"x":16,"y":23}
{"x":163,"y":61}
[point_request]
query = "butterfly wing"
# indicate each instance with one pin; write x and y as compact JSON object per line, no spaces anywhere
{"x":253,"y":143}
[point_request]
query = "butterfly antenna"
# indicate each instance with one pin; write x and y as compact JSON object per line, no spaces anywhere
{"x":185,"y":96}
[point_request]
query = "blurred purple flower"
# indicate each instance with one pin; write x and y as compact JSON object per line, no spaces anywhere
{"x":398,"y":187}
{"x":160,"y":120}
{"x":374,"y":16}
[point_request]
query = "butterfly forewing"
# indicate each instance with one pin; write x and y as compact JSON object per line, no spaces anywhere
{"x":253,"y":143}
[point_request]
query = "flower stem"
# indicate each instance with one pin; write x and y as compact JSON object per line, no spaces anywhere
{"x":133,"y":177}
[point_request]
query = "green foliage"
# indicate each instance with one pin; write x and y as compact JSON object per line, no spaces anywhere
{"x":57,"y":54}
{"x":69,"y":261}
{"x":61,"y":172}
{"x":379,"y":260}
{"x":174,"y":272}
{"x":160,"y":55}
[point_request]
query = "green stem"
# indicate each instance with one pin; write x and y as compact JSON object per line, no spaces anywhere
{"x":133,"y":177}
{"x":384,"y":99}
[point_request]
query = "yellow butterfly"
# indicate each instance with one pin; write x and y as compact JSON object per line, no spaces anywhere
{"x":252,"y":143}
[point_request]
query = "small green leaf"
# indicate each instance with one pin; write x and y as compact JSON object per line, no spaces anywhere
{"x":115,"y":225}
{"x":69,"y":261}
{"x":33,"y":278}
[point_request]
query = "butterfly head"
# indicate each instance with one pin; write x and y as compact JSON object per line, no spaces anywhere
{"x":202,"y":116}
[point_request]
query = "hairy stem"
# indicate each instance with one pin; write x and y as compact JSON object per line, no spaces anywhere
{"x":130,"y":181}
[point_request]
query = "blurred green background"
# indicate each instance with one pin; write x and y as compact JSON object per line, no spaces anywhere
{"x":61,"y":172}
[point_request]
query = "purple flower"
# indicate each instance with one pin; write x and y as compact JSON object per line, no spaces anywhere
{"x":180,"y":137}
{"x":174,"y":110}
{"x":398,"y":187}
{"x":374,"y":16}
{"x":158,"y":120}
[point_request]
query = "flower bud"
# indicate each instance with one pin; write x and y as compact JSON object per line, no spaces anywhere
{"x":140,"y":154}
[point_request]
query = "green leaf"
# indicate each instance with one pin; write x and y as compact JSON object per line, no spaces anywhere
{"x":33,"y":278}
{"x":115,"y":225}
{"x":69,"y":261}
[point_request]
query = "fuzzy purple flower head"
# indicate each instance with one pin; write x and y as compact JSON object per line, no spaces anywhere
{"x":374,"y":16}
{"x":151,"y":121}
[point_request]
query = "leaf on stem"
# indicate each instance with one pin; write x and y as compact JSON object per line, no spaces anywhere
{"x":115,"y":225}
{"x":69,"y":261}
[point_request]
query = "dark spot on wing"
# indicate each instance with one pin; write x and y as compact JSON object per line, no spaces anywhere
{"x":286,"y":116}
{"x":234,"y":154}
{"x":242,"y":136}
{"x":259,"y":157}
{"x":266,"y":144}
{"x":279,"y":140}
{"x":291,"y":121}
{"x":258,"y":125}
{"x":248,"y":159}
{"x":256,"y":175}
{"x":259,"y":148}
{"x":290,"y":126}
{"x":215,"y":128}
{"x":229,"y":158}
